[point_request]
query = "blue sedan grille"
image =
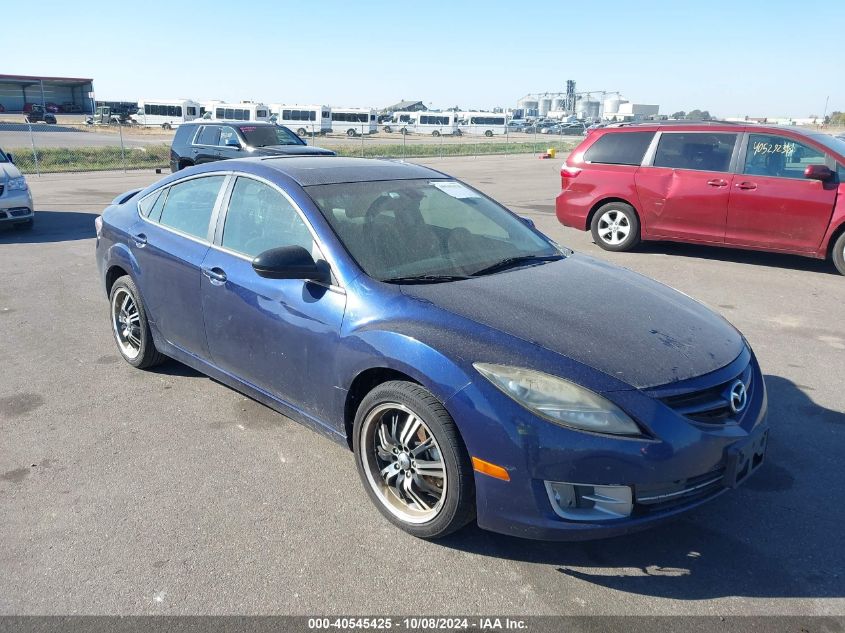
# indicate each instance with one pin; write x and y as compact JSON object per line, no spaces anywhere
{"x":712,"y":405}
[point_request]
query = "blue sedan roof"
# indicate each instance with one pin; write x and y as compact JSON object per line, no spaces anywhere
{"x":329,"y":170}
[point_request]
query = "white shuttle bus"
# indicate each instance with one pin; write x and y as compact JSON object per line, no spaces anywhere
{"x":305,"y":120}
{"x":165,"y":113}
{"x":354,"y":121}
{"x":486,"y":123}
{"x":243,"y":111}
{"x":425,"y":122}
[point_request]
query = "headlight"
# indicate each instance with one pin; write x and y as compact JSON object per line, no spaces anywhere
{"x":559,"y":400}
{"x":17,"y":184}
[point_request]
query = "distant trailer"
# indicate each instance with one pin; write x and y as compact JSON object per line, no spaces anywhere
{"x":165,"y":113}
{"x":486,"y":123}
{"x":303,"y":119}
{"x":219,"y":111}
{"x":354,"y":121}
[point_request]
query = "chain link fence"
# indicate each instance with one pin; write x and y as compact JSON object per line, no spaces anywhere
{"x":74,"y":146}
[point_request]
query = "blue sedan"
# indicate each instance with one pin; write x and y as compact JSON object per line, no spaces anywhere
{"x":476,"y":369}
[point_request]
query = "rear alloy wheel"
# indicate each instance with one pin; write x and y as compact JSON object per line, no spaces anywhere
{"x":615,"y":227}
{"x":412,"y":460}
{"x":838,"y":254}
{"x":129,"y":325}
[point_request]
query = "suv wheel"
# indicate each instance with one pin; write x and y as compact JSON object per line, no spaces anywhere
{"x":615,"y":227}
{"x":838,"y":254}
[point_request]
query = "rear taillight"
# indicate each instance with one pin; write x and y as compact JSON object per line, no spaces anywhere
{"x":567,"y":174}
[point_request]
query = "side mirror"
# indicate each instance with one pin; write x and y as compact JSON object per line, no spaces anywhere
{"x":11,"y":158}
{"x":818,"y":172}
{"x":233,"y":143}
{"x":528,"y":221}
{"x":289,"y":262}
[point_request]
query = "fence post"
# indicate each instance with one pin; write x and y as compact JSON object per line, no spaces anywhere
{"x":404,"y":136}
{"x":122,"y":152}
{"x":441,"y":146}
{"x":34,"y":153}
{"x":362,"y":141}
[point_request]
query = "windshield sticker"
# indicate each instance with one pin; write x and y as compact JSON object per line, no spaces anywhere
{"x":761,"y":147}
{"x":455,"y":189}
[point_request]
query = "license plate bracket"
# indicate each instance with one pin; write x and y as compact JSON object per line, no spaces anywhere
{"x":743,"y":458}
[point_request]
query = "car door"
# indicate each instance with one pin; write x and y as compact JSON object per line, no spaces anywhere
{"x":206,"y":147}
{"x":772,"y":204}
{"x":170,"y":241}
{"x":279,"y":335}
{"x":684,"y":189}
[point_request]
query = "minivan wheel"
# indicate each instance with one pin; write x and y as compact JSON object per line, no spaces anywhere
{"x":838,"y":254}
{"x":615,"y":227}
{"x":129,"y":325}
{"x":412,"y":460}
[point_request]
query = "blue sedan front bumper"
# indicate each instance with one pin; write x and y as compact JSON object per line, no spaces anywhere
{"x":675,"y":467}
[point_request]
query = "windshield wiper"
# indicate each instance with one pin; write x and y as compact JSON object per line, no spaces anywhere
{"x":425,"y":279}
{"x":519,"y":260}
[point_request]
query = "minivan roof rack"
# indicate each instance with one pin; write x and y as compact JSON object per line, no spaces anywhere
{"x":678,"y":122}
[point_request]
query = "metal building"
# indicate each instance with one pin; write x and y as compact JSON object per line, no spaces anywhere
{"x":67,"y":94}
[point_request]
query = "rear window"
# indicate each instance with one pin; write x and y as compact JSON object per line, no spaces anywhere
{"x":619,"y":148}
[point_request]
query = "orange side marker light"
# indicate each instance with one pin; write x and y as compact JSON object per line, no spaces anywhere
{"x":490,"y":469}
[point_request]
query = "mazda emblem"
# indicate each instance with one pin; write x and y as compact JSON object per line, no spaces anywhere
{"x":739,"y":396}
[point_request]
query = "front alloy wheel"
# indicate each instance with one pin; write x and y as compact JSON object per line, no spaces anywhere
{"x":412,"y":461}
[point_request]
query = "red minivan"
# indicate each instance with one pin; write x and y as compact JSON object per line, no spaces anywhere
{"x":769,"y":188}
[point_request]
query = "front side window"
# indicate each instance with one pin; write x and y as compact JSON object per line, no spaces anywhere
{"x":412,"y":228}
{"x":779,"y":156}
{"x":619,"y":148}
{"x":189,"y":205}
{"x":228,"y":135}
{"x":695,"y":150}
{"x":260,"y":218}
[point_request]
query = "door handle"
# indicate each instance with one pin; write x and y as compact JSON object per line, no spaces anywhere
{"x":140,"y":240}
{"x":215,"y":275}
{"x":717,"y":182}
{"x":745,"y":185}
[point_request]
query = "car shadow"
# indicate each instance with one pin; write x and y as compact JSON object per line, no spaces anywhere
{"x":738,"y":256}
{"x":52,"y":226}
{"x":773,"y":537}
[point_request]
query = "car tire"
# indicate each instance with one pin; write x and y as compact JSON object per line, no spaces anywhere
{"x":838,"y":254}
{"x":427,"y":506}
{"x":387,"y":129}
{"x":301,"y":131}
{"x":488,"y":133}
{"x":183,"y":164}
{"x":130,"y":327}
{"x":615,"y":227}
{"x":351,"y":133}
{"x":458,"y":133}
{"x":166,"y":126}
{"x":435,"y":133}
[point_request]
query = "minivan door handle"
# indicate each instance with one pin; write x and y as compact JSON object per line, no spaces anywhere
{"x":215,"y":275}
{"x":140,"y":240}
{"x":717,"y":182}
{"x":745,"y":185}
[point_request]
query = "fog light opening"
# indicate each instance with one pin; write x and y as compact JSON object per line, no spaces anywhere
{"x":588,"y":502}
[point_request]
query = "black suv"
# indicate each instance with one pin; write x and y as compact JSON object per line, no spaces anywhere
{"x":200,"y":142}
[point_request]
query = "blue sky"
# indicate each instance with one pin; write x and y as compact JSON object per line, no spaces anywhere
{"x":732,"y":58}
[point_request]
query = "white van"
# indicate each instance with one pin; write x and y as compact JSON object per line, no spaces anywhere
{"x":305,"y":120}
{"x":425,"y":122}
{"x":354,"y":121}
{"x":243,"y":111}
{"x":486,"y":123}
{"x":166,"y":113}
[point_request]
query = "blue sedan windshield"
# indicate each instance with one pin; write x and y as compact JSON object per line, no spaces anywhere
{"x":425,"y":228}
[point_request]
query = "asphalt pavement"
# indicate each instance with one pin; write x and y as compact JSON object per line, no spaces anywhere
{"x":164,"y":492}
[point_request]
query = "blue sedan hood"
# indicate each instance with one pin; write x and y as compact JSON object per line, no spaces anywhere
{"x":614,"y":320}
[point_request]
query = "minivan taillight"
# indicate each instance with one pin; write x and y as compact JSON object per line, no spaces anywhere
{"x":567,"y":174}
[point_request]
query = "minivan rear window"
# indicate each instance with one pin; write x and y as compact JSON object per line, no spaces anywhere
{"x":619,"y":148}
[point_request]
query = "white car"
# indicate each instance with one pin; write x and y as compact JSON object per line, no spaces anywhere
{"x":16,"y":206}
